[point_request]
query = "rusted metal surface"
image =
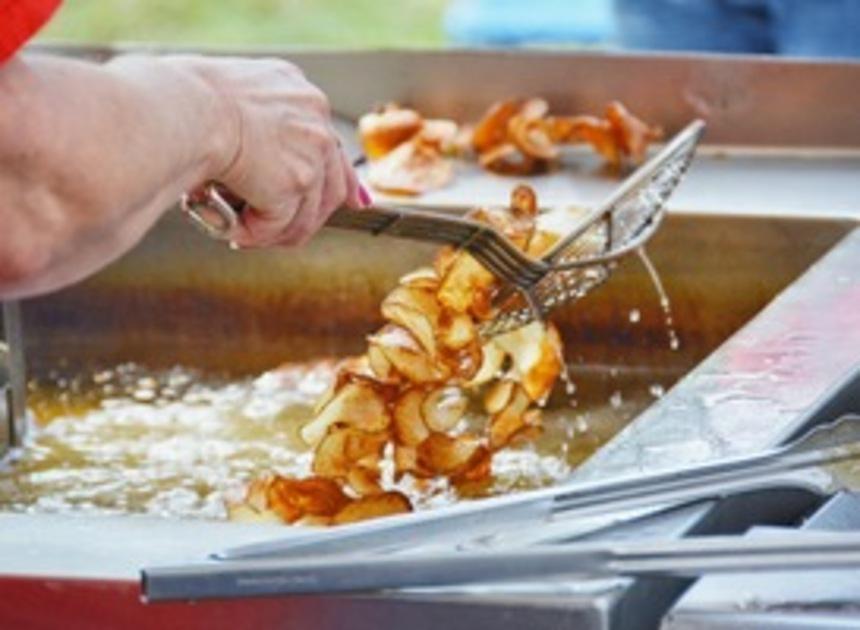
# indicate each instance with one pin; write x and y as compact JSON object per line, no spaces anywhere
{"x":168,"y":300}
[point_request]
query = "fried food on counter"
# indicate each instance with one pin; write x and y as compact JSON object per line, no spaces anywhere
{"x":520,"y":137}
{"x":411,"y":401}
{"x":410,"y":155}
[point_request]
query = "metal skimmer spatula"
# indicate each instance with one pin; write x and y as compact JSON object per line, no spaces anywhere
{"x":580,"y":261}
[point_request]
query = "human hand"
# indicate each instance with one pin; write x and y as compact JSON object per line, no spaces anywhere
{"x":279,"y":151}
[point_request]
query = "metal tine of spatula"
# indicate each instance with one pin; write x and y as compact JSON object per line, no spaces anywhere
{"x":483,"y":519}
{"x":685,"y":557}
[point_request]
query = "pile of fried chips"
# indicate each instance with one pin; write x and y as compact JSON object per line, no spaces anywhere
{"x":406,"y":398}
{"x":410,"y":155}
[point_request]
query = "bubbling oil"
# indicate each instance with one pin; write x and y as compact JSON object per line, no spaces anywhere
{"x":177,"y":443}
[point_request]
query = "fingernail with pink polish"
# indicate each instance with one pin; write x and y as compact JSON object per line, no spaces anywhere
{"x":364,"y":196}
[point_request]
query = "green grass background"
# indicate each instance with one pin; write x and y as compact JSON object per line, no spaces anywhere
{"x":323,"y":23}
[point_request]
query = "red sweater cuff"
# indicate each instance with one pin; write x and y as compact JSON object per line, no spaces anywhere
{"x":19,"y":21}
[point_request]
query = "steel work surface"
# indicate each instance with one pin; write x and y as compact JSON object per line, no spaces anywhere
{"x":719,"y":271}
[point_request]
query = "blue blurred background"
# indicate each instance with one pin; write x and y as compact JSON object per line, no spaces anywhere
{"x":788,"y":27}
{"x":812,"y":28}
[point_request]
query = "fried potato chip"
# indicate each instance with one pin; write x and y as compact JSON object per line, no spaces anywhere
{"x":493,"y":359}
{"x":406,"y":461}
{"x":449,"y":456}
{"x":524,"y":203}
{"x":409,"y":425}
{"x":456,"y":330}
{"x":507,"y":159}
{"x":535,"y":351}
{"x":413,"y":320}
{"x":478,"y":469}
{"x":498,"y":396}
{"x":343,"y":448}
{"x":357,"y":404}
{"x":492,"y":129}
{"x":632,"y":134}
{"x":443,"y":408}
{"x":363,"y":480}
{"x":416,"y":310}
{"x":379,"y":364}
{"x":383,"y":131}
{"x":423,"y":278}
{"x":508,"y":421}
{"x":407,"y":356}
{"x":530,"y":135}
{"x":442,"y":134}
{"x":373,"y":506}
{"x":293,"y":498}
{"x":467,"y":287}
{"x":411,"y":169}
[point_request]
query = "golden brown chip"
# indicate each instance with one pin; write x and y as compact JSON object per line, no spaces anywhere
{"x":478,"y":468}
{"x":493,"y":358}
{"x":373,"y":506}
{"x":343,"y":448}
{"x":357,"y":404}
{"x":632,"y":134}
{"x":507,"y":159}
{"x":441,"y":134}
{"x":498,"y":396}
{"x":467,"y":287}
{"x":380,"y":365}
{"x":423,"y":278}
{"x":492,"y":129}
{"x":443,"y":408}
{"x":407,"y":356}
{"x":415,"y":321}
{"x":449,"y":456}
{"x":456,"y":330}
{"x":510,"y":419}
{"x":363,"y":480}
{"x":535,"y":351}
{"x":406,"y":461}
{"x":409,"y":426}
{"x":595,"y":131}
{"x":413,"y":168}
{"x":330,"y":458}
{"x":293,"y":498}
{"x":383,"y":131}
{"x":532,"y":138}
{"x":524,"y":202}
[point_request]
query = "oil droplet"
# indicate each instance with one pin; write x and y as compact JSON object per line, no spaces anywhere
{"x":635,"y":316}
{"x":616,"y":400}
{"x":657,"y":390}
{"x":665,"y":305}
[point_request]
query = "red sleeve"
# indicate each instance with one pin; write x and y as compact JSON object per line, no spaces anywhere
{"x":19,"y":21}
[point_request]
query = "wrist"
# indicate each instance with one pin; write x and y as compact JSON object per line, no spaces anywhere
{"x":223,"y":141}
{"x":204,"y":118}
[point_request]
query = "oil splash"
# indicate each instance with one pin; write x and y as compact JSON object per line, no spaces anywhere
{"x":665,"y":305}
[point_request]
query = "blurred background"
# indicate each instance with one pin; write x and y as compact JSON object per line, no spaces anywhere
{"x":815,"y":28}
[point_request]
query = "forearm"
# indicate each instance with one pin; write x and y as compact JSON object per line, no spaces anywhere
{"x":90,"y":156}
